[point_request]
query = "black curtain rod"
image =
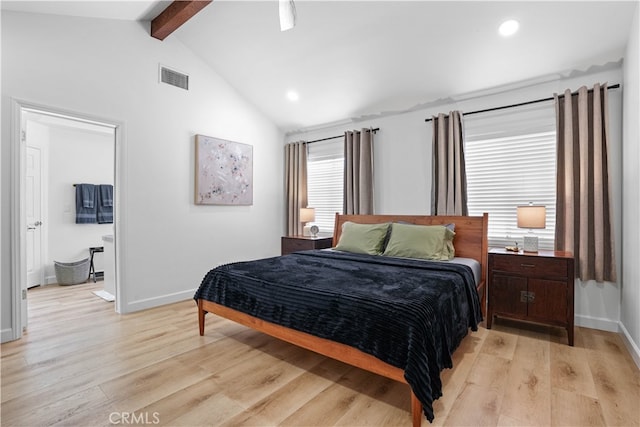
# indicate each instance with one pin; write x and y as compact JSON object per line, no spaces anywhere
{"x":535,"y":101}
{"x":334,"y":137}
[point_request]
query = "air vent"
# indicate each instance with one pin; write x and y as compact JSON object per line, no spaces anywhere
{"x":174,"y":78}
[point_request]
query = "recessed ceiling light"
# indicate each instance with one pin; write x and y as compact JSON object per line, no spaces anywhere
{"x":292,"y":95}
{"x":508,"y":28}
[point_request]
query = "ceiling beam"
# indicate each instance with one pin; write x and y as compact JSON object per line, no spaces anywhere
{"x":176,"y":14}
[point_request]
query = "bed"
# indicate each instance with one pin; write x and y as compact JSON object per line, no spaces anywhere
{"x":394,"y":316}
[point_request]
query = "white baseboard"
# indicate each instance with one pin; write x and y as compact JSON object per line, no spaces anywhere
{"x":6,"y":335}
{"x":146,"y":303}
{"x":597,"y":323}
{"x":611,"y":326}
{"x":631,"y":346}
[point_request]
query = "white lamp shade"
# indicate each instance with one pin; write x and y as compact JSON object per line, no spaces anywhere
{"x":531,"y":216}
{"x":307,"y":214}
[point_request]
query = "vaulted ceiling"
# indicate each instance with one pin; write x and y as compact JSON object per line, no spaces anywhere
{"x":349,"y":59}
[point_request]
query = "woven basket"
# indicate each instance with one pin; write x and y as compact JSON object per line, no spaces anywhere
{"x":72,"y":273}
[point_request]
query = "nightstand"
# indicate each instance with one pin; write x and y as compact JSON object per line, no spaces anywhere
{"x":532,"y":286}
{"x":304,"y":243}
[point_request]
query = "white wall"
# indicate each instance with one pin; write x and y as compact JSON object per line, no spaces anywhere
{"x":75,"y":156}
{"x":6,"y":330}
{"x":5,"y":311}
{"x":630,"y":299}
{"x":109,"y":69}
{"x":403,"y":163}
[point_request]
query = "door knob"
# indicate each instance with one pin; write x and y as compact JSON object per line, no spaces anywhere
{"x":34,"y":225}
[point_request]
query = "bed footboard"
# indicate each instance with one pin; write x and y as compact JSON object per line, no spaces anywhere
{"x":334,"y":350}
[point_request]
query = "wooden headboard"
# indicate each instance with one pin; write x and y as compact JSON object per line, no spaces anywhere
{"x":470,"y":240}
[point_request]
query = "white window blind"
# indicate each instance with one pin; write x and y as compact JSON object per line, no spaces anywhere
{"x":325,"y":175}
{"x":511,"y":161}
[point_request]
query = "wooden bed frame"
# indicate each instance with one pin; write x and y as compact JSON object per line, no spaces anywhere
{"x":470,"y":242}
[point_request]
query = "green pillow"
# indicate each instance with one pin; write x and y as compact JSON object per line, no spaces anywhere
{"x":421,"y":241}
{"x":362,"y":238}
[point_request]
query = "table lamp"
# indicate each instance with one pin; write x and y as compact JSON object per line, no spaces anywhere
{"x":307,"y":215}
{"x":531,"y":216}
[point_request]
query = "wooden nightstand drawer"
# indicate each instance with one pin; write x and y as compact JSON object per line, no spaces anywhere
{"x":304,"y":243}
{"x":299,"y":245}
{"x":531,"y":265}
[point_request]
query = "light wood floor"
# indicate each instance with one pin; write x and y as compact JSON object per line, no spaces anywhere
{"x":80,"y":364}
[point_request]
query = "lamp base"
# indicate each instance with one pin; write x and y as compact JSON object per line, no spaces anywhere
{"x":306,"y":231}
{"x":530,"y":244}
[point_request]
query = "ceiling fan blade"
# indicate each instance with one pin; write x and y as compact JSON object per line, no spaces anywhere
{"x":287,"y":15}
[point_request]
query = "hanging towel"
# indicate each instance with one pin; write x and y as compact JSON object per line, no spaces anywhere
{"x":105,"y":203}
{"x":85,"y":211}
{"x":106,"y":195}
{"x":88,"y":195}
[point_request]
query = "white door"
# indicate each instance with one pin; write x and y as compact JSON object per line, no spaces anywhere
{"x":33,"y":195}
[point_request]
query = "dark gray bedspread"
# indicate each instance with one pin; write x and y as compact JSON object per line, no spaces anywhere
{"x":411,"y":314}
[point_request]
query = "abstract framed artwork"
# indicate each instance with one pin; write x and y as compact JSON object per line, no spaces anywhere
{"x":224,"y":172}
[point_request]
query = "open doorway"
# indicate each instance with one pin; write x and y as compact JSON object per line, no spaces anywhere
{"x":57,"y":151}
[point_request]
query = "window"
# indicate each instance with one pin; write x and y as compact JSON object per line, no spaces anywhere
{"x":510,"y":161}
{"x":325,"y":174}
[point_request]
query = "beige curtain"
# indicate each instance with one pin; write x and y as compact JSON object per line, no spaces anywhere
{"x":296,"y":184}
{"x":449,"y":179}
{"x":358,"y":172}
{"x":583,"y":212}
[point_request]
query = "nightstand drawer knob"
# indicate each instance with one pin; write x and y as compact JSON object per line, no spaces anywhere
{"x":527,"y":296}
{"x":524,"y":296}
{"x":528,"y":265}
